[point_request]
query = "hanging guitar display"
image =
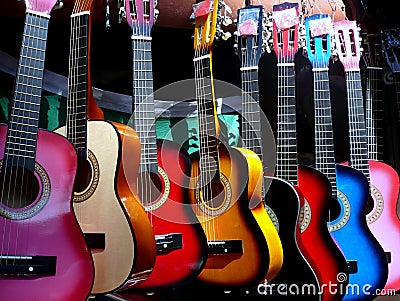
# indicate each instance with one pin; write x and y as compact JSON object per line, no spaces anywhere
{"x":100,"y":212}
{"x":43,"y":253}
{"x":384,"y":180}
{"x":350,"y":230}
{"x":223,"y":182}
{"x":281,"y":199}
{"x":163,"y":171}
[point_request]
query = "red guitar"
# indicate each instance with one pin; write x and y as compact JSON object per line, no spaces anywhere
{"x":163,"y":171}
{"x":43,"y":253}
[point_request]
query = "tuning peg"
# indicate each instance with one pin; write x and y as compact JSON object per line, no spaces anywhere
{"x":59,"y":4}
{"x":227,"y":21}
{"x":226,"y":35}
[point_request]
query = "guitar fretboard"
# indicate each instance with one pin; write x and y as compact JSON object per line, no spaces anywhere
{"x":324,"y":144}
{"x":208,"y":141}
{"x":20,"y":149}
{"x":357,"y":126}
{"x":78,"y":80}
{"x":251,"y":123}
{"x":143,"y":102}
{"x":374,"y":112}
{"x":286,"y":165}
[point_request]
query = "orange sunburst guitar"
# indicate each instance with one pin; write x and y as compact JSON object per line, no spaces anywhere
{"x":108,"y":226}
{"x":224,"y":181}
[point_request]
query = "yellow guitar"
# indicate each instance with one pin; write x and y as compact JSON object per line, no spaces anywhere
{"x":243,"y":245}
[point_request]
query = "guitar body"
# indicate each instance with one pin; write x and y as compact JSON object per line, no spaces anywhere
{"x":320,"y":249}
{"x":354,"y":238}
{"x":234,"y":269}
{"x":383,"y":220}
{"x":285,"y":202}
{"x":172,"y":214}
{"x":145,"y":245}
{"x":50,"y":231}
{"x":99,"y":209}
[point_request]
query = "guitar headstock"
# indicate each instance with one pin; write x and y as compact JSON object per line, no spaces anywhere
{"x":206,"y":17}
{"x":391,"y":48}
{"x":372,"y":49}
{"x":285,"y":30}
{"x":250,"y":34}
{"x":347,"y":44}
{"x":319,"y":28}
{"x":41,"y":6}
{"x":141,"y":16}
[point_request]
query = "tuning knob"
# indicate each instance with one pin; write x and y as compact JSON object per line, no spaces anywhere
{"x":59,"y":4}
{"x":227,"y":21}
{"x":226,"y":35}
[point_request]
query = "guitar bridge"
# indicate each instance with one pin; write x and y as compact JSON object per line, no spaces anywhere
{"x":225,"y":247}
{"x":28,"y":265}
{"x":169,"y":242}
{"x":352,"y":265}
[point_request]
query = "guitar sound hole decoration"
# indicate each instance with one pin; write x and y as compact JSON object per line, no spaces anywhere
{"x":24,"y":204}
{"x":272,"y":216}
{"x":150,"y":187}
{"x":215,"y":197}
{"x":378,"y":205}
{"x":304,"y":216}
{"x":86,"y":184}
{"x":344,"y":218}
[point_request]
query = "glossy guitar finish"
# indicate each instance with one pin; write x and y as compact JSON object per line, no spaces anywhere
{"x":354,"y":237}
{"x":173,"y":214}
{"x":43,"y":253}
{"x":322,"y":252}
{"x":180,"y":240}
{"x":331,"y":264}
{"x":236,"y":223}
{"x":102,"y":211}
{"x":225,"y":181}
{"x":383,"y":220}
{"x":52,"y":231}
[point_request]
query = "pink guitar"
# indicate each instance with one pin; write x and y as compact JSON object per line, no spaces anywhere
{"x":384,"y":180}
{"x":43,"y":253}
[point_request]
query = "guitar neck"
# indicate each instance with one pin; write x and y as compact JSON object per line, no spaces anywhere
{"x":23,"y":125}
{"x":251,"y":123}
{"x":374,"y":112}
{"x":78,"y":83}
{"x":357,"y":127}
{"x":324,"y":144}
{"x":208,"y":134}
{"x":143,"y":103}
{"x":286,"y":165}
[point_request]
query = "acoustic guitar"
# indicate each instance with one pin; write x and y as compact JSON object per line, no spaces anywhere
{"x":384,"y":180}
{"x":164,"y":171}
{"x":99,"y":210}
{"x":43,"y":253}
{"x":224,"y":180}
{"x":280,"y":197}
{"x":368,"y":263}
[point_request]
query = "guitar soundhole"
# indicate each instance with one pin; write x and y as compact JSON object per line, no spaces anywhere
{"x":214,"y":194}
{"x":370,"y":205}
{"x":149,"y":187}
{"x":19,"y":187}
{"x":83,"y":175}
{"x":334,"y":210}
